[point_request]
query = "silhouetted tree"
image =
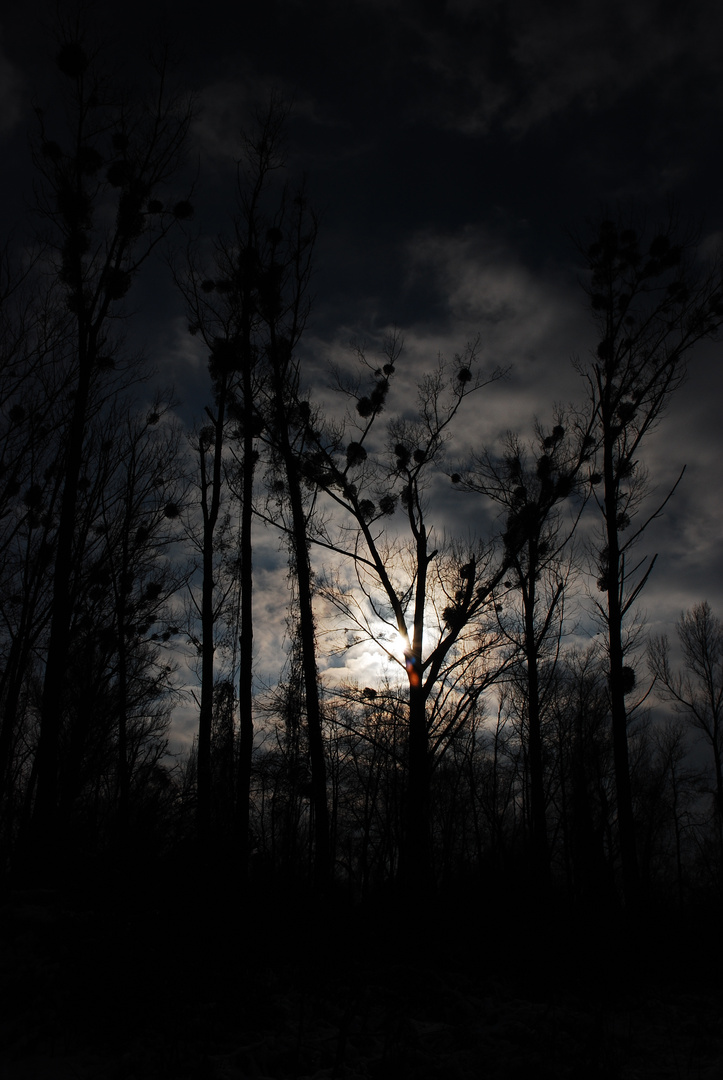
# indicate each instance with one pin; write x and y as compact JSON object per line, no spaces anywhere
{"x":34,"y":381}
{"x":138,"y":526}
{"x":99,"y":189}
{"x":401,"y":589}
{"x":251,"y":313}
{"x":651,"y":303}
{"x":367,"y":736}
{"x":280,"y":259}
{"x":580,"y":775}
{"x":212,"y":536}
{"x":696,"y":690}
{"x":223,"y":760}
{"x":291,"y":835}
{"x":666,"y":788}
{"x":223,"y":307}
{"x":272,"y":274}
{"x":531,"y":602}
{"x":116,"y":673}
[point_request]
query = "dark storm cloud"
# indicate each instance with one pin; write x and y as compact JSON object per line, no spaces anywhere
{"x":11,"y":91}
{"x":688,"y":534}
{"x":522,"y":63}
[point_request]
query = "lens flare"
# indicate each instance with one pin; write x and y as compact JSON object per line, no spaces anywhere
{"x":413,"y":668}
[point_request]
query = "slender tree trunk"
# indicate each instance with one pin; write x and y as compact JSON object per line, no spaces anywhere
{"x":322,"y":856}
{"x":540,"y":850}
{"x":246,"y":638}
{"x":124,"y":777}
{"x":416,"y":865}
{"x":619,"y":720}
{"x":210,"y":503}
{"x":285,"y":392}
{"x":621,"y":757}
{"x":122,"y":590}
{"x":205,"y":714}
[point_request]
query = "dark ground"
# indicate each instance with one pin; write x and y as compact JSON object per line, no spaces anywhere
{"x":127,"y":986}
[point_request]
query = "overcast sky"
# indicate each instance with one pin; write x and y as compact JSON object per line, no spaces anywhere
{"x":452,"y":148}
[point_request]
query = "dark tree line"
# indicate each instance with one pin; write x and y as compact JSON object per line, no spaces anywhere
{"x":78,"y":472}
{"x":496,"y":751}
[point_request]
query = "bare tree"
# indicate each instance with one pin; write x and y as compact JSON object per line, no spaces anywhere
{"x":99,"y":193}
{"x":34,"y":382}
{"x":696,"y":690}
{"x":531,"y":603}
{"x":223,"y":322}
{"x":651,"y":303}
{"x":666,"y":789}
{"x":251,"y":308}
{"x":282,"y":265}
{"x":585,"y":791}
{"x":138,"y":524}
{"x":231,"y":306}
{"x":422,"y":593}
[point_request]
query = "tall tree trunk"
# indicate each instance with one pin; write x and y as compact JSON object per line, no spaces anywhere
{"x":322,"y":854}
{"x":416,"y":866}
{"x":124,"y":774}
{"x":416,"y":862}
{"x":285,"y":394}
{"x":540,"y":850}
{"x":210,"y":504}
{"x":246,"y":638}
{"x":538,"y":823}
{"x":617,"y":688}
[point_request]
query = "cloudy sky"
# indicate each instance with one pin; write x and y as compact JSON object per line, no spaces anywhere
{"x":452,"y":149}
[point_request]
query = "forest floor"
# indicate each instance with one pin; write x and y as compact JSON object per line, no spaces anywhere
{"x":132,"y":988}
